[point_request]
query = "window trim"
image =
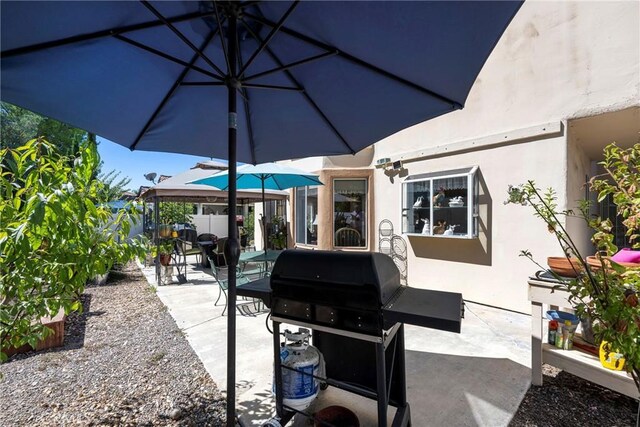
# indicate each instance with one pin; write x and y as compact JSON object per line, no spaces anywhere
{"x":306,"y":193}
{"x":365,"y":231}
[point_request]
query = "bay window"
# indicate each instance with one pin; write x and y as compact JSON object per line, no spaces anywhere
{"x":306,"y":215}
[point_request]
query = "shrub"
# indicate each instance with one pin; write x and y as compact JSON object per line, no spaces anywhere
{"x":55,"y":235}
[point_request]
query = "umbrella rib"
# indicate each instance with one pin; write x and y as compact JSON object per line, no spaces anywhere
{"x":304,"y":92}
{"x":356,"y":60}
{"x":173,"y":89}
{"x":203,"y":84}
{"x":269,"y":37}
{"x":99,"y":34}
{"x":313,"y":104}
{"x":289,"y":66}
{"x":182,"y":37}
{"x":247,"y":111}
{"x":168,"y":57}
{"x":274,"y":87}
{"x":222,"y":39}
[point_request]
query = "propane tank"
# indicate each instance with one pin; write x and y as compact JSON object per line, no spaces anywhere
{"x":298,"y":389}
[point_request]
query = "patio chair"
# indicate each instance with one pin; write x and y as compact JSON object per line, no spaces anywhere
{"x":347,"y":236}
{"x":207,"y":237}
{"x":218,"y":253}
{"x":252,"y":273}
{"x":186,"y":249}
{"x":223,"y":286}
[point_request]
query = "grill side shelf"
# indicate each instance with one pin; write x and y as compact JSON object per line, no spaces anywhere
{"x":424,"y":307}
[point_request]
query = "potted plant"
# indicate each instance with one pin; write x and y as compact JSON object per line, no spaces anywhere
{"x":278,"y":236}
{"x":163,"y":251}
{"x":243,"y":236}
{"x":606,"y":293}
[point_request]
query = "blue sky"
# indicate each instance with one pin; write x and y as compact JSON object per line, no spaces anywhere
{"x":134,"y":164}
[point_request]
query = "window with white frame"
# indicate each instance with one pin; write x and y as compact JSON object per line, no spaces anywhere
{"x":306,"y":215}
{"x":350,"y":212}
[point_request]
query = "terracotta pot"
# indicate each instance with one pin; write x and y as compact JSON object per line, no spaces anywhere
{"x":596,"y":263}
{"x":165,"y":259}
{"x":336,"y":415}
{"x":566,"y":267}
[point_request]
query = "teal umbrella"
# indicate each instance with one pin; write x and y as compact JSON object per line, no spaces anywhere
{"x":270,"y":176}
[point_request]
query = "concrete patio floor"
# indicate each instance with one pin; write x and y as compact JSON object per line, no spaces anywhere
{"x":475,"y":378}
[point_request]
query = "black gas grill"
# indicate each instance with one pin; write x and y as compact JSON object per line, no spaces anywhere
{"x":356,"y":307}
{"x":357,"y":292}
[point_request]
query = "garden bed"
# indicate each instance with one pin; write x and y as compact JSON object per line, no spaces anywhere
{"x":56,"y":339}
{"x":124,"y":362}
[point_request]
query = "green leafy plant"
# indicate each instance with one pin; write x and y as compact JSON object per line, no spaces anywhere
{"x":164,"y":247}
{"x":18,"y":126}
{"x":278,"y":234}
{"x":249,"y":224}
{"x":608,"y":294}
{"x":175,"y":213}
{"x":55,"y":235}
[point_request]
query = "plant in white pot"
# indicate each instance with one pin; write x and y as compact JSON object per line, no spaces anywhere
{"x":603,"y":290}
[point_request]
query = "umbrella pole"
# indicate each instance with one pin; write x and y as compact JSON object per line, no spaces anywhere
{"x":232,"y":251}
{"x":264,"y":238}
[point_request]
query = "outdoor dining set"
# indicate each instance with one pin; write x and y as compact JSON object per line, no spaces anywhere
{"x":209,"y":251}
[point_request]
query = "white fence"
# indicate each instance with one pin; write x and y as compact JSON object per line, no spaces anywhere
{"x":214,"y":224}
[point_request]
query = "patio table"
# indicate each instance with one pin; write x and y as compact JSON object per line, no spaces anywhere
{"x":259,"y":257}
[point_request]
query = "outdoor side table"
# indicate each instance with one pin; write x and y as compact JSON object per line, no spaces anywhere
{"x":576,"y":362}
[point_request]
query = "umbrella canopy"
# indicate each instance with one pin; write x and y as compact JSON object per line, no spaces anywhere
{"x":179,"y":188}
{"x":270,"y":176}
{"x":329,"y":77}
{"x":166,"y":76}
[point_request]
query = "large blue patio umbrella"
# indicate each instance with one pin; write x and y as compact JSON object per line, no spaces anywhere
{"x":313,"y":78}
{"x":270,"y":176}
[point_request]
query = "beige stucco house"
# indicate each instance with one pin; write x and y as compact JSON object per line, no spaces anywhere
{"x":563,"y":82}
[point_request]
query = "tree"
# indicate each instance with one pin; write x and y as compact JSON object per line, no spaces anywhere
{"x":55,"y":235}
{"x":113,"y":187}
{"x":17,"y":126}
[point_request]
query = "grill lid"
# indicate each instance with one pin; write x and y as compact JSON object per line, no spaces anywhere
{"x":366,"y":272}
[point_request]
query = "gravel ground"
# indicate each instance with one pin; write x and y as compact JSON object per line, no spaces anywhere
{"x":567,"y":400}
{"x":124,"y":362}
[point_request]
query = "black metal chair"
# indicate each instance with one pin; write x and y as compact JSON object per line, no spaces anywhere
{"x":187,"y":244}
{"x":223,"y":286}
{"x":218,"y":253}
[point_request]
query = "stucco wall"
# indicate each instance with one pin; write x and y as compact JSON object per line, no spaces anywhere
{"x":487,"y":269}
{"x":556,"y":61}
